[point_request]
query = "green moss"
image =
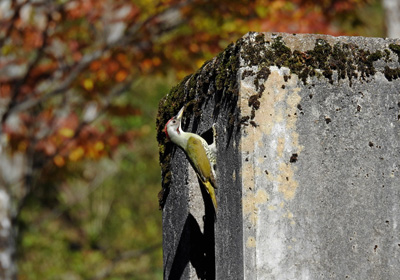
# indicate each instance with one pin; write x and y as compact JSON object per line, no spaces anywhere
{"x":387,"y":54}
{"x":263,"y":73}
{"x":281,"y":52}
{"x":280,"y":48}
{"x":392,"y":73}
{"x":247,"y":73}
{"x":244,"y":120}
{"x":251,"y":52}
{"x":218,"y":79}
{"x":305,"y":73}
{"x":254,"y":102}
{"x":318,"y":57}
{"x":193,"y":92}
{"x":396,"y":49}
{"x":260,"y":38}
{"x":167,"y":108}
{"x":347,"y":60}
{"x":339,"y":61}
{"x":375,"y":56}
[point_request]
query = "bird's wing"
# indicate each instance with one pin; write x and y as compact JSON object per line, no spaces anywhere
{"x":211,"y":192}
{"x":199,"y":160}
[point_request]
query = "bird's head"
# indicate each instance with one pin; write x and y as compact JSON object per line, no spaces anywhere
{"x":173,"y":126}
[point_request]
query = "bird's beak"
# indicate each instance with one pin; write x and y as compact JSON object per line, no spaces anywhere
{"x":180,"y":114}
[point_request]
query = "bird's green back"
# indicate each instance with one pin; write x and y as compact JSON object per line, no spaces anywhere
{"x":199,"y":160}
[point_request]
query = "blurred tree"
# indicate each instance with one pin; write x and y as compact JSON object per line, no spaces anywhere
{"x":64,"y":64}
{"x":105,"y":223}
{"x":392,"y":18}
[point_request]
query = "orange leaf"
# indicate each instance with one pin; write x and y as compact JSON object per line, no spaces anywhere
{"x":59,"y":161}
{"x":77,"y":154}
{"x":156,"y":61}
{"x":22,"y":146}
{"x":95,"y":65}
{"x":121,"y":75}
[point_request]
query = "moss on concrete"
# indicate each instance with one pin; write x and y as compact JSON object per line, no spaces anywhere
{"x":392,"y":73}
{"x":396,"y":49}
{"x":215,"y":79}
{"x":348,"y":60}
{"x":218,"y":79}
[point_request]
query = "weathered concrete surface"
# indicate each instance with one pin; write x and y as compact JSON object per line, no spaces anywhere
{"x":308,"y":162}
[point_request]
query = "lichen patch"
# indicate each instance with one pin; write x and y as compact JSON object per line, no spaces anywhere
{"x":251,"y":242}
{"x":251,"y":203}
{"x":281,"y":146}
{"x":269,"y":177}
{"x":287,"y":184}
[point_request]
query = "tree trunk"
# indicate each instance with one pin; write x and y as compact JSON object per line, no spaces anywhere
{"x":12,"y":190}
{"x":7,"y":238}
{"x":392,"y":18}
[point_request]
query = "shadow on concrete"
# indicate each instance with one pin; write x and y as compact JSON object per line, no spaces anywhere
{"x":196,"y":247}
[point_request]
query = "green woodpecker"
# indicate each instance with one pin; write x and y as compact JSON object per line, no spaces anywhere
{"x":201,"y":155}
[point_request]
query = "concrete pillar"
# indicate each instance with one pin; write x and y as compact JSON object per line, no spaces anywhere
{"x":308,"y":163}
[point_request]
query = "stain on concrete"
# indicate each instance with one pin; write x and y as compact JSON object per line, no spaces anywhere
{"x":251,"y":242}
{"x":287,"y":182}
{"x":251,"y":202}
{"x":276,"y":128}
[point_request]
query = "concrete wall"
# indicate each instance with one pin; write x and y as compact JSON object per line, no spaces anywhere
{"x":308,"y":162}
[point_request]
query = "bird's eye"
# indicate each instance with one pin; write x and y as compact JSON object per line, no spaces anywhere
{"x":174,"y":122}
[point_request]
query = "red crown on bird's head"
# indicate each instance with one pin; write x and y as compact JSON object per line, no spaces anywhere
{"x":165,"y":128}
{"x":177,"y":117}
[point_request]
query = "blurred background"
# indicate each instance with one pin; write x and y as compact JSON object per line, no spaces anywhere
{"x":80,"y":83}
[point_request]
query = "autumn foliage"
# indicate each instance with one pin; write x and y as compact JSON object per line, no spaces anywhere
{"x":61,"y":59}
{"x":70,"y":68}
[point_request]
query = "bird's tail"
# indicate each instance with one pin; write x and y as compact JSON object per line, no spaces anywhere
{"x":211,"y":192}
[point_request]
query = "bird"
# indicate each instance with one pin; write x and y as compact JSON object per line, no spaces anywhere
{"x":201,"y":156}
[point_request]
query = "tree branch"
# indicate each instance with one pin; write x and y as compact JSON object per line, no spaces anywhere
{"x":11,"y":22}
{"x":64,"y":85}
{"x":167,"y":20}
